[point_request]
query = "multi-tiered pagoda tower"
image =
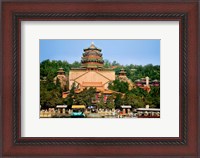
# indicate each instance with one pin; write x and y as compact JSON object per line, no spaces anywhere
{"x":92,"y":58}
{"x":91,"y":73}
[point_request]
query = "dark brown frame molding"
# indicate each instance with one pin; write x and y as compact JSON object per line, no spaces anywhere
{"x":187,"y":144}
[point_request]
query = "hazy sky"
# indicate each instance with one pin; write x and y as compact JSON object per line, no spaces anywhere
{"x":125,"y":52}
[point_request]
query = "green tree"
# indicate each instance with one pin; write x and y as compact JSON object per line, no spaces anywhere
{"x":155,"y":96}
{"x":76,"y":64}
{"x":50,"y":95}
{"x":119,"y":86}
{"x":110,"y":104}
{"x":107,"y":64}
{"x":114,"y":63}
{"x":101,"y":104}
{"x":118,"y":100}
{"x":85,"y":97}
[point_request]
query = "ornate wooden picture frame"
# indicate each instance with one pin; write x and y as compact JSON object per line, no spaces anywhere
{"x":187,"y":144}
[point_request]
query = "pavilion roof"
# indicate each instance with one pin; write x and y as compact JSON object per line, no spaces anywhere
{"x":148,"y":109}
{"x":61,"y":106}
{"x":61,"y":70}
{"x":78,"y":106}
{"x":155,"y":81}
{"x":92,"y":84}
{"x":122,"y":71}
{"x":92,"y":47}
{"x":137,"y":80}
{"x":126,"y":106}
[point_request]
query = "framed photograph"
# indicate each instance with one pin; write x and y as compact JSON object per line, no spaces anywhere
{"x":100,"y":79}
{"x":95,"y":87}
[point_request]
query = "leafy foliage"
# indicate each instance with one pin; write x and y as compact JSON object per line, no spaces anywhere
{"x":85,"y":96}
{"x":119,"y":86}
{"x":49,"y":68}
{"x":50,"y":95}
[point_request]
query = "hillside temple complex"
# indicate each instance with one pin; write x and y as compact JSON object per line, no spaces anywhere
{"x":93,"y":74}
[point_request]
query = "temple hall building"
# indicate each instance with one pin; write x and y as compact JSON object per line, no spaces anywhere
{"x":91,"y":73}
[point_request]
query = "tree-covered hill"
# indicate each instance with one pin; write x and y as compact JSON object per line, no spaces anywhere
{"x":49,"y":69}
{"x":51,"y":94}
